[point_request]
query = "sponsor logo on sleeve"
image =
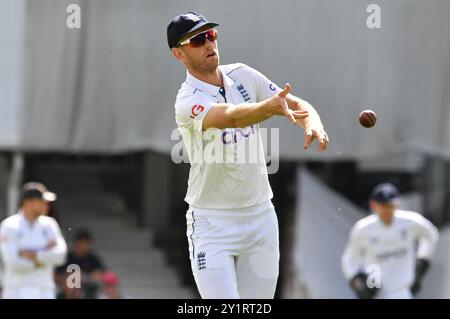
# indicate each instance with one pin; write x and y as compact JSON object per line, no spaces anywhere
{"x":196,"y":110}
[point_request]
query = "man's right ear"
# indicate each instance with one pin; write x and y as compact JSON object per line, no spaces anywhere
{"x":178,"y":54}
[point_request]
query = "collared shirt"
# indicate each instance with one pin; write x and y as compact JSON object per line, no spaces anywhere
{"x":16,"y":234}
{"x":389,"y":250}
{"x":228,"y":168}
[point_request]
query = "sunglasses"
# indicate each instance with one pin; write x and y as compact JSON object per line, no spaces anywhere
{"x":199,"y":40}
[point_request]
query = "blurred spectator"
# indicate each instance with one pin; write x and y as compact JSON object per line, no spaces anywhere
{"x":66,"y":292}
{"x":91,"y":266}
{"x":110,"y":284}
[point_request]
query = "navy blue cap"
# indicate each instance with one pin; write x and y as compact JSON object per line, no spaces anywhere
{"x":384,"y":193}
{"x":184,"y":24}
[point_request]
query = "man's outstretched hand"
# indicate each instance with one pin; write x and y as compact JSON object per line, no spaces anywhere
{"x":316,"y":133}
{"x":312,"y":124}
{"x":279,"y":106}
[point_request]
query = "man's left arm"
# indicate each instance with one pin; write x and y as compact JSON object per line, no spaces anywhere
{"x":314,"y":129}
{"x":428,"y":237}
{"x":56,"y":251}
{"x":312,"y":124}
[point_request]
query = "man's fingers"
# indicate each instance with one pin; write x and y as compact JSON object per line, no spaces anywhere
{"x":285,"y":91}
{"x":51,"y":244}
{"x":322,"y":145}
{"x":323,"y":142}
{"x":289,"y":113}
{"x":299,"y":115}
{"x":308,"y":139}
{"x":320,"y":135}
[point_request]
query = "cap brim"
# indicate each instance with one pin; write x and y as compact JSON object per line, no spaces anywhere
{"x":201,"y":25}
{"x":49,"y":196}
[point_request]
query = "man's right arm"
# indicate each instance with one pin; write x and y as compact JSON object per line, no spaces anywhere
{"x":223,"y":116}
{"x":351,"y":259}
{"x":55,"y":254}
{"x":428,"y":237}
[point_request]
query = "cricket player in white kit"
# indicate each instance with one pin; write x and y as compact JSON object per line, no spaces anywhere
{"x":232,"y":227}
{"x":31,"y":246}
{"x":388,"y":252}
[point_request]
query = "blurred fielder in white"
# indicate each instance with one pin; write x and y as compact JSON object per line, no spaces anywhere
{"x":31,"y":246}
{"x":388,"y":252}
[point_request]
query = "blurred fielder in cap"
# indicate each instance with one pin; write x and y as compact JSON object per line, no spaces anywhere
{"x":232,"y":227}
{"x":381,"y":260}
{"x":31,"y":246}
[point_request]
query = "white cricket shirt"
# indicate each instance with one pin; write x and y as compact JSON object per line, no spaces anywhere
{"x":16,"y":234}
{"x":228,"y":167}
{"x":392,"y":248}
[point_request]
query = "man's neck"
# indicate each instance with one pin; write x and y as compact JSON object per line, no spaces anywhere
{"x":213,"y":78}
{"x":30,"y":217}
{"x":387,"y":221}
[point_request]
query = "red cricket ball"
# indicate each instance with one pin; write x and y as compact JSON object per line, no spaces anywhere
{"x":367,"y":118}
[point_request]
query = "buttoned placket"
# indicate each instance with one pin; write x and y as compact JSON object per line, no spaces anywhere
{"x":222,"y":92}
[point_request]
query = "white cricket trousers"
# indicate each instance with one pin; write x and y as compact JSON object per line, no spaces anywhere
{"x":28,"y":293}
{"x":234,"y":253}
